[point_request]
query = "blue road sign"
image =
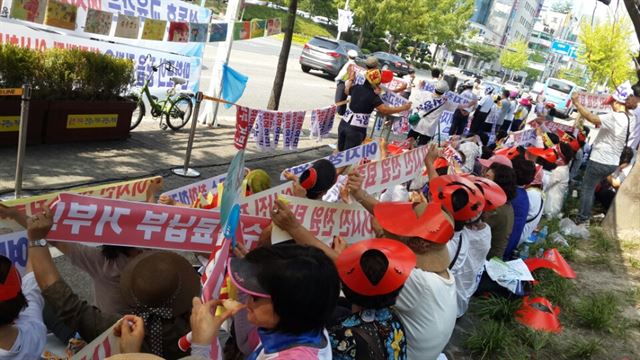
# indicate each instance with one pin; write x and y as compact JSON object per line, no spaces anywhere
{"x":564,"y":48}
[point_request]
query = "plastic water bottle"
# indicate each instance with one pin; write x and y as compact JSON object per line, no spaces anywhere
{"x":540,"y":253}
{"x":524,"y":254}
{"x":542,"y":235}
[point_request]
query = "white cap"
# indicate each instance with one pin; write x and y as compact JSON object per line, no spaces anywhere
{"x":352,"y":54}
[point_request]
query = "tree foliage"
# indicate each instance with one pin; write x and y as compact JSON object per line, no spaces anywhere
{"x":514,"y":56}
{"x":606,"y":52}
{"x":325,"y":8}
{"x":574,"y":75}
{"x":484,"y":52}
{"x":564,"y":7}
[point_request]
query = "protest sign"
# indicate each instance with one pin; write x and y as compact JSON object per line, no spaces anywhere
{"x":15,"y":246}
{"x":324,"y":220}
{"x":521,"y":138}
{"x":198,"y":32}
{"x":188,"y":194}
{"x":127,"y":27}
{"x":245,"y":118}
{"x":322,"y":122}
{"x":138,"y":190}
{"x":178,"y":31}
{"x":60,"y":14}
{"x":154,"y":29}
{"x":105,"y":345}
{"x":262,"y":203}
{"x":553,"y":126}
{"x":392,"y":171}
{"x":370,"y":151}
{"x":187,"y":66}
{"x":392,"y":99}
{"x":99,"y":22}
{"x":218,"y":32}
{"x":594,"y":102}
{"x":446,"y":120}
{"x":88,"y":219}
{"x":28,"y":10}
{"x":396,"y":84}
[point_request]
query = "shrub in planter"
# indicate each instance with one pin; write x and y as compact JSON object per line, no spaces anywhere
{"x":18,"y":66}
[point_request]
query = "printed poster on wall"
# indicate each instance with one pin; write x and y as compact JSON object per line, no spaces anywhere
{"x":257,"y":28}
{"x":218,"y":32}
{"x":242,"y":30}
{"x":197,"y":32}
{"x":178,"y":31}
{"x":273,"y":27}
{"x":154,"y":29}
{"x":127,"y":26}
{"x":61,"y":15}
{"x":29,"y":10}
{"x":98,"y":22}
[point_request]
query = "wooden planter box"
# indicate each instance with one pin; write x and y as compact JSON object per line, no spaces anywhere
{"x":10,"y":121}
{"x":83,"y":120}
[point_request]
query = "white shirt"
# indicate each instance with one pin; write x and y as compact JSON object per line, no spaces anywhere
{"x":32,"y":334}
{"x":536,"y":203}
{"x":555,"y":191}
{"x":485,"y":104}
{"x":471,"y":97}
{"x":634,"y":136}
{"x":471,"y":151}
{"x":343,"y":72}
{"x":512,"y":110}
{"x":427,"y":308}
{"x":428,"y":125}
{"x":469,"y":266}
{"x":608,"y":144}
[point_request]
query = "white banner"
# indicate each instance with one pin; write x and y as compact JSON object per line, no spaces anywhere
{"x":101,"y":347}
{"x":392,"y":171}
{"x":324,"y":220}
{"x":15,"y":246}
{"x":521,"y":138}
{"x":187,"y":67}
{"x":370,"y":151}
{"x":262,"y":203}
{"x":345,"y":19}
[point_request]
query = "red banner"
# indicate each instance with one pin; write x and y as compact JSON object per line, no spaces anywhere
{"x":116,"y":222}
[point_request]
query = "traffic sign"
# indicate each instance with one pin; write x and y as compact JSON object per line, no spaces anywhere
{"x":11,"y":92}
{"x":564,"y":48}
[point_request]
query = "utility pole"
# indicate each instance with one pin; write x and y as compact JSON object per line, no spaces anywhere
{"x":346,"y":8}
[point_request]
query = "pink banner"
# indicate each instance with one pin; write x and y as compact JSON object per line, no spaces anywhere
{"x":594,"y":102}
{"x":116,"y":222}
{"x":392,"y":171}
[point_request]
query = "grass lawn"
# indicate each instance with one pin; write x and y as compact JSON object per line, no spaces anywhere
{"x":600,"y":309}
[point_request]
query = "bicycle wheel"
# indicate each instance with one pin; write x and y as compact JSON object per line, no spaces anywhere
{"x":179,"y":113}
{"x":138,"y":112}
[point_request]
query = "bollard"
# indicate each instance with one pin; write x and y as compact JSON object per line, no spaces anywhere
{"x":22,"y":138}
{"x":186,"y":171}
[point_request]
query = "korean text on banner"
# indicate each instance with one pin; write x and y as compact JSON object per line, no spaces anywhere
{"x":322,"y":122}
{"x":552,"y":126}
{"x":392,"y":171}
{"x":87,"y":219}
{"x":189,"y":193}
{"x":105,"y":345}
{"x":15,"y":247}
{"x":137,"y":190}
{"x":187,"y":66}
{"x":245,"y":118}
{"x":370,"y":151}
{"x":262,"y":203}
{"x":594,"y":102}
{"x":325,"y":220}
{"x":522,"y":138}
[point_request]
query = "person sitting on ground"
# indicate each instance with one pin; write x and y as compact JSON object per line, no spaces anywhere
{"x":558,"y":185}
{"x":365,"y":98}
{"x":499,"y":170}
{"x":609,"y":187}
{"x":22,"y":332}
{"x":374,"y":330}
{"x":165,"y":305}
{"x":524,"y":172}
{"x":291,"y":292}
{"x":529,"y":175}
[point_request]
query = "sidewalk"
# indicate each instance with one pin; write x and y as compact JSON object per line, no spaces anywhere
{"x":148,"y":151}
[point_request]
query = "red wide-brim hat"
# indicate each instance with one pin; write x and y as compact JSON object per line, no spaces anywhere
{"x":426,"y":221}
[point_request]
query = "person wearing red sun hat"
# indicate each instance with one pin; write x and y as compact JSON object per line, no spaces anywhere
{"x":372,"y":272}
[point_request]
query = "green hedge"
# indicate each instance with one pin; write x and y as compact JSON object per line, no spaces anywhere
{"x":65,"y":74}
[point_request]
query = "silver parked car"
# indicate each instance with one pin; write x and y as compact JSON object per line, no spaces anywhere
{"x":326,"y":55}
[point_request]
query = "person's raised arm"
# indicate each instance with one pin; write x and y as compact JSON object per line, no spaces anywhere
{"x":44,"y":269}
{"x":284,"y":219}
{"x":390,"y":110}
{"x":591,"y":117}
{"x":430,"y":158}
{"x":354,"y":182}
{"x":14,"y":214}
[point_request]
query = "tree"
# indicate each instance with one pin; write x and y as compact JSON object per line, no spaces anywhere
{"x":483,"y":52}
{"x":326,"y":8}
{"x":564,"y":7}
{"x":281,"y":70}
{"x":514,"y":56}
{"x":606,"y":52}
{"x":574,"y":75}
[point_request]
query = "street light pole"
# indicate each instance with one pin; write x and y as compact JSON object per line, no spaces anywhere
{"x":346,"y":8}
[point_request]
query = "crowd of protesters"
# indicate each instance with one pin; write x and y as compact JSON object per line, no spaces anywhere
{"x":395,"y":296}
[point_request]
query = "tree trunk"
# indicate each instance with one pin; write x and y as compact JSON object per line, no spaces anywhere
{"x":278,"y":81}
{"x":361,"y":38}
{"x":435,"y":55}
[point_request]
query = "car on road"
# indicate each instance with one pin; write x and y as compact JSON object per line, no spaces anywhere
{"x":389,"y":62}
{"x":326,"y":55}
{"x":471,"y":73}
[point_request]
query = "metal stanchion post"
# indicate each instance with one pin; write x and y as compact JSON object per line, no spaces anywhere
{"x":186,"y":171}
{"x":22,"y":138}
